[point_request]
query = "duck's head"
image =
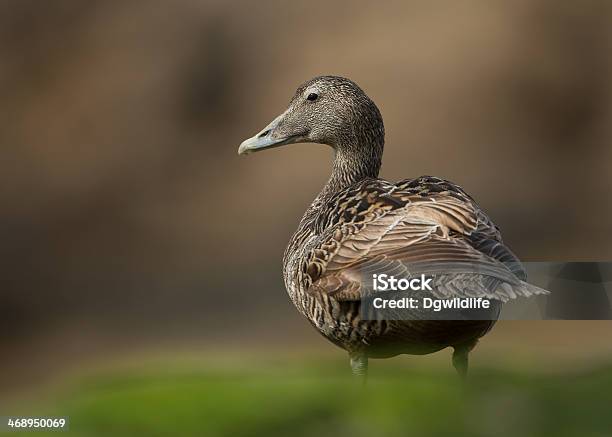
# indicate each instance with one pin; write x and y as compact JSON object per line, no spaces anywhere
{"x":327,"y":110}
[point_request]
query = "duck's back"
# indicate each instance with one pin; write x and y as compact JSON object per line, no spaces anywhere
{"x":424,"y":225}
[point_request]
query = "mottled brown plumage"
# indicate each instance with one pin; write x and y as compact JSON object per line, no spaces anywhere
{"x":360,"y":223}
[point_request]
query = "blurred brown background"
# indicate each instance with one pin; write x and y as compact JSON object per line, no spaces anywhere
{"x":128,"y":219}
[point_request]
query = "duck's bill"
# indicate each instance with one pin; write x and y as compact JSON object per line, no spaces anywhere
{"x":267,"y":139}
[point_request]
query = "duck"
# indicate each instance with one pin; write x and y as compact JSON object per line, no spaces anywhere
{"x":361,"y":223}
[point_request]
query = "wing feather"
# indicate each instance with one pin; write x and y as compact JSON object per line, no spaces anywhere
{"x":423,"y":226}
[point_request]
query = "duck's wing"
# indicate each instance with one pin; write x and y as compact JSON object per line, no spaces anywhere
{"x":420,"y":226}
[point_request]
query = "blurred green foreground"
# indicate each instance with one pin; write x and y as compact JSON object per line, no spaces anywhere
{"x":322,"y":400}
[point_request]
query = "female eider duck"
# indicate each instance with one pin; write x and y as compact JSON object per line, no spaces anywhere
{"x":359,"y":223}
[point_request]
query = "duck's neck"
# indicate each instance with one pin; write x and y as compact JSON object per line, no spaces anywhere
{"x":351,"y":167}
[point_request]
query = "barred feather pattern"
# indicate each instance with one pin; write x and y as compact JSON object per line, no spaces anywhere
{"x":426,"y":225}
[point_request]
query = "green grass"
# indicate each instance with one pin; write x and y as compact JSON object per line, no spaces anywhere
{"x":322,"y":400}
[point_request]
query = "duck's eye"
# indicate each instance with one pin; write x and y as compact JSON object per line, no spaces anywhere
{"x":312,"y":97}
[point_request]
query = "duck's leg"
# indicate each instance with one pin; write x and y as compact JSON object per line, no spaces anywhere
{"x":359,"y":364}
{"x":460,"y":357}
